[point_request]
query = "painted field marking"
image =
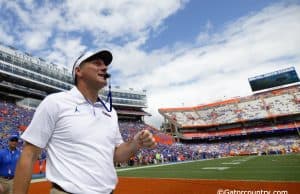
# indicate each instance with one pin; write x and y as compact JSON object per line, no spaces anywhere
{"x":155,"y":165}
{"x":215,"y":168}
{"x":239,"y":160}
{"x":167,"y":164}
{"x":234,"y":163}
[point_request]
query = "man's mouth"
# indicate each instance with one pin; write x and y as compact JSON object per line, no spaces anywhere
{"x":101,"y":75}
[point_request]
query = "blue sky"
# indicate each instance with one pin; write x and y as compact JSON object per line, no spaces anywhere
{"x":182,"y":52}
{"x":185,"y":25}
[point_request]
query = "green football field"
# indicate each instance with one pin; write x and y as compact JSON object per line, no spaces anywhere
{"x":274,"y":168}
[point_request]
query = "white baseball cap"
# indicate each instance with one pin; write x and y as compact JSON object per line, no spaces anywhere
{"x":104,"y":55}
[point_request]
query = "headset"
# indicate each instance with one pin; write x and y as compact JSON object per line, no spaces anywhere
{"x":109,"y":97}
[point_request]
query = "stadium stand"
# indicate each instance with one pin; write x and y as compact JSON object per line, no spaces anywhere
{"x":25,"y":80}
{"x":263,"y":123}
{"x":273,"y":104}
{"x":13,"y":119}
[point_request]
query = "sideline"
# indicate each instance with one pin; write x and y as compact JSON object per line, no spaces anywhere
{"x":167,"y":164}
{"x":142,"y":167}
{"x":150,"y":166}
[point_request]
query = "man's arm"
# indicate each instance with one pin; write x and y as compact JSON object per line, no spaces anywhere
{"x":127,"y":149}
{"x":24,"y":168}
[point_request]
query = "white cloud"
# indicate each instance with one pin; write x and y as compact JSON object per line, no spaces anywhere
{"x":111,"y":19}
{"x":38,"y":24}
{"x":22,"y":14}
{"x":204,"y":36}
{"x":35,"y":24}
{"x":67,"y":50}
{"x":256,"y":44}
{"x":5,"y":37}
{"x":35,"y":40}
{"x":241,"y":48}
{"x":217,"y":64}
{"x":29,"y":4}
{"x":103,"y":20}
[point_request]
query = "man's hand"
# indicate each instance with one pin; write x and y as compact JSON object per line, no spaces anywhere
{"x":144,"y":139}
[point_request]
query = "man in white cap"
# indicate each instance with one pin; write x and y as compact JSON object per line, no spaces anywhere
{"x":80,"y":133}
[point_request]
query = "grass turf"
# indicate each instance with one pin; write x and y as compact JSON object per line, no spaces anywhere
{"x":272,"y":168}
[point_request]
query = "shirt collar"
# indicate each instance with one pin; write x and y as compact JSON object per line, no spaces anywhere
{"x":79,"y":98}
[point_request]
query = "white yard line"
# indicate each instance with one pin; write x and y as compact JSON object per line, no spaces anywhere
{"x":154,"y":166}
{"x":150,"y":166}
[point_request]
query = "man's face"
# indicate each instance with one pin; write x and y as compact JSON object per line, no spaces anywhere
{"x":13,"y":143}
{"x":93,"y":73}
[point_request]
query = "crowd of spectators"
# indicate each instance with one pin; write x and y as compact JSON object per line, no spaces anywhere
{"x":253,"y":107}
{"x":175,"y":152}
{"x":257,"y":146}
{"x":282,"y":104}
{"x":14,"y":119}
{"x":239,"y":131}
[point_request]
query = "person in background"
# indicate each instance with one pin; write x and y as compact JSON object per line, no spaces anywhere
{"x":81,"y":134}
{"x":8,"y":161}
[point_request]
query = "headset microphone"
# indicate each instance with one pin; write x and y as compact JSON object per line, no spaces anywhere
{"x":109,"y":96}
{"x":107,"y":75}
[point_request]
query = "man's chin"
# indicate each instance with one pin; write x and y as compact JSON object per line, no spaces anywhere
{"x":102,"y":84}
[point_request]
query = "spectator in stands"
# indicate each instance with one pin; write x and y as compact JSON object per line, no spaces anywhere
{"x":8,"y":161}
{"x":80,"y":133}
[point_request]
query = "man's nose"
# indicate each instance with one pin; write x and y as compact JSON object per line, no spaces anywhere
{"x":104,"y":68}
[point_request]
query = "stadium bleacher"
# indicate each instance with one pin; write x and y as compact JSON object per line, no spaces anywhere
{"x":13,"y":119}
{"x":272,"y":104}
{"x":27,"y":77}
{"x":262,"y":123}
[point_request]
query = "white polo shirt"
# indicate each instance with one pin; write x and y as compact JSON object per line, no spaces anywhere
{"x":80,"y":139}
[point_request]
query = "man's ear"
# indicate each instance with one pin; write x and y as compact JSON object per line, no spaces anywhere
{"x":77,"y":71}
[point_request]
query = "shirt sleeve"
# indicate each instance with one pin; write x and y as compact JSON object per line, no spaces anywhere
{"x":118,"y":137}
{"x":42,"y":124}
